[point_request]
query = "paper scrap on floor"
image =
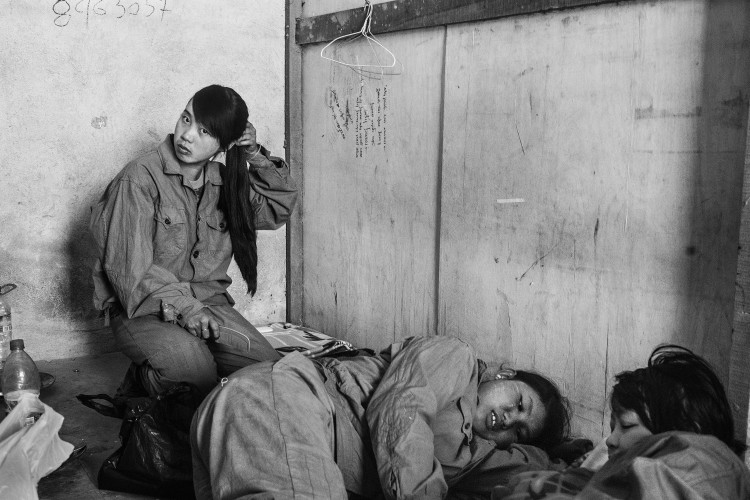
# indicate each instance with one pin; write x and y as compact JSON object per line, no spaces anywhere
{"x":286,"y":338}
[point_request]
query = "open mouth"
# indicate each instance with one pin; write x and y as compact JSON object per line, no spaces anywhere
{"x":495,"y":425}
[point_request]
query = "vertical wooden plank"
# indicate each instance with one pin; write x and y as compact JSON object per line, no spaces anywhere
{"x":295,"y":262}
{"x":739,"y":368}
{"x":371,"y":159}
{"x":586,"y":214}
{"x":727,"y":25}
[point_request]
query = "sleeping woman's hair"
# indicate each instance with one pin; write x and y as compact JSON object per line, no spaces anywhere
{"x":557,"y":424}
{"x":677,"y":391}
{"x":224,"y":114}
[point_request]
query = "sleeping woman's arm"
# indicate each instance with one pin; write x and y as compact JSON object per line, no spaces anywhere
{"x":423,"y":377}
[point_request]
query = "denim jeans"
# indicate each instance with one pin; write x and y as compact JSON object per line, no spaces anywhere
{"x":166,"y":354}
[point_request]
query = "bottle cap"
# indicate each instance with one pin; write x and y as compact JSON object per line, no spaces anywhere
{"x":16,"y":344}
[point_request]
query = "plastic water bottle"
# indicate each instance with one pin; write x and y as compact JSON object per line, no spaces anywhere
{"x":20,"y":375}
{"x":6,"y":331}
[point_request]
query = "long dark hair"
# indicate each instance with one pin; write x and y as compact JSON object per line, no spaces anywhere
{"x":677,"y":391}
{"x":557,"y":423}
{"x":224,"y":114}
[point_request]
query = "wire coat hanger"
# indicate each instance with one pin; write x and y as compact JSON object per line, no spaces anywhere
{"x":366,"y":33}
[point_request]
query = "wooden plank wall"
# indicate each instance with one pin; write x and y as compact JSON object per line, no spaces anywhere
{"x":371,"y":183}
{"x":562,"y":190}
{"x":600,"y":122}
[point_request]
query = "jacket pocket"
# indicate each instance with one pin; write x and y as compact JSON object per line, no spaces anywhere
{"x":219,"y":242}
{"x":217,"y":223}
{"x":170,"y":230}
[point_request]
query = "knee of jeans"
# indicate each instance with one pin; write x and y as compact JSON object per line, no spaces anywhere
{"x":191,"y":363}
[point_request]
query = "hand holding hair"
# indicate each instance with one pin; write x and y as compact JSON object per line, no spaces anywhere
{"x":248,"y":138}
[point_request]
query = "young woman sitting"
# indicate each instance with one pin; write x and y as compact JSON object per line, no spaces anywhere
{"x":166,"y":230}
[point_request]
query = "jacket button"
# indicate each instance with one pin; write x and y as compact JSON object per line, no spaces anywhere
{"x":199,"y":218}
{"x":222,"y":225}
{"x":467,"y":425}
{"x":167,"y":221}
{"x":196,"y":254}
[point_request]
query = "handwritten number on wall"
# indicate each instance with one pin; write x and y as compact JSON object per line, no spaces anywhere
{"x":61,"y":9}
{"x":88,"y":7}
{"x":164,"y":9}
{"x":153,"y":9}
{"x":64,"y":12}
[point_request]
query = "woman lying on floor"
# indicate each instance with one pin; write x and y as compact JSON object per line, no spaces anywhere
{"x":672,"y":438}
{"x":422,"y":418}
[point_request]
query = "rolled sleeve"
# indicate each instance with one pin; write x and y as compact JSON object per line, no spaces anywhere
{"x":273,"y":193}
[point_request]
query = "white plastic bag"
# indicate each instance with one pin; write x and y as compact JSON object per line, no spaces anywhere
{"x":29,"y":452}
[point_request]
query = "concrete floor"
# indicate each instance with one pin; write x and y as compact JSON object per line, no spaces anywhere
{"x":76,"y":480}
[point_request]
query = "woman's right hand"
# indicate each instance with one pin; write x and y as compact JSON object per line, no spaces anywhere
{"x":203,"y":324}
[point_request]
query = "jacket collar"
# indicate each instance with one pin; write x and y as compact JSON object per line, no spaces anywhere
{"x":171,"y":164}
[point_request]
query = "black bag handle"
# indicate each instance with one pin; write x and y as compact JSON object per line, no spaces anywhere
{"x":108,"y":410}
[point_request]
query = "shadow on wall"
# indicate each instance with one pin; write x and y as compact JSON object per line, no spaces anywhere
{"x":717,"y":177}
{"x":86,"y":323}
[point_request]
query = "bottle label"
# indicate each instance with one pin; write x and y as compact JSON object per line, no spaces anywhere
{"x":11,"y":399}
{"x":5,"y":324}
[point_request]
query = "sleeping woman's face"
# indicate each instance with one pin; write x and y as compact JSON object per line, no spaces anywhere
{"x":508,"y":411}
{"x":627,"y":429}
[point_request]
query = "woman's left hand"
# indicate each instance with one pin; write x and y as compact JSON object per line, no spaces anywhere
{"x":248,"y":138}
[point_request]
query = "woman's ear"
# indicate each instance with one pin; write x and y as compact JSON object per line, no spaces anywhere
{"x":506,"y":374}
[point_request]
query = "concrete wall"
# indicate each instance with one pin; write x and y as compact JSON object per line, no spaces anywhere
{"x":86,"y":87}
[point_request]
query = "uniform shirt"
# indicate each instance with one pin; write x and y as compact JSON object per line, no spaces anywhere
{"x":161,"y":242}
